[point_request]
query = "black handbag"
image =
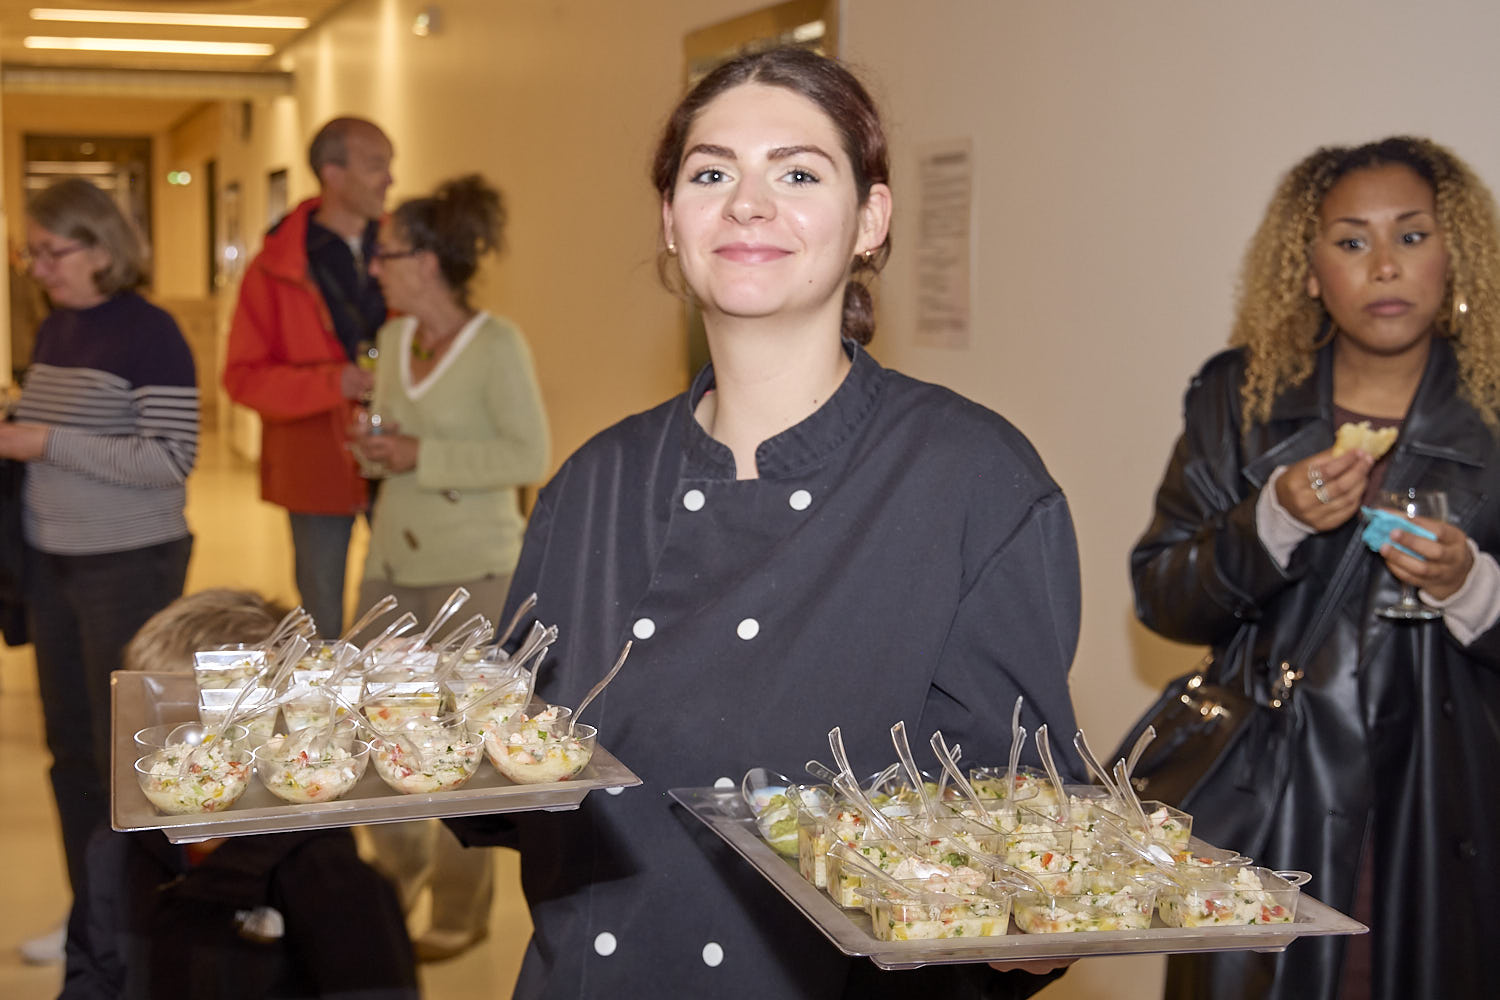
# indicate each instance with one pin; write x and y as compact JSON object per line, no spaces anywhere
{"x":1221,"y":753}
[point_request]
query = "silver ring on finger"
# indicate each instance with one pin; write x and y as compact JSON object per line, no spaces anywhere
{"x":1321,"y":493}
{"x":1314,"y":476}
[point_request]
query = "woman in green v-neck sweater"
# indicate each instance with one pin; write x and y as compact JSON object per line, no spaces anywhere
{"x":461,"y":428}
{"x":461,"y":420}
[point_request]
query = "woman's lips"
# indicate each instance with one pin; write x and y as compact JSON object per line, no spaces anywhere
{"x":751,"y":253}
{"x":1388,"y":307}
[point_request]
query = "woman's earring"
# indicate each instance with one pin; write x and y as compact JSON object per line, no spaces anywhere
{"x":867,"y":256}
{"x":1459,"y":314}
{"x":671,"y":249}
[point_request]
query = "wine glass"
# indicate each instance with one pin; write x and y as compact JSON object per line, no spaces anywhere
{"x":367,"y":358}
{"x":366,"y":424}
{"x":1414,"y":503}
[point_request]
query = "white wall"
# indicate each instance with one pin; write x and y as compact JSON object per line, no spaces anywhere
{"x":1125,"y":153}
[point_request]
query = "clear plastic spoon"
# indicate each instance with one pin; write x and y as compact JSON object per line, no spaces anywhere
{"x":942,"y":782}
{"x":1044,"y":750}
{"x":1018,"y":740}
{"x":1081,"y":744}
{"x":949,"y":761}
{"x":450,"y":606}
{"x":594,"y":691}
{"x":380,"y":608}
{"x":846,"y":783}
{"x":1141,"y":743}
{"x":903,"y":753}
{"x":515,"y":619}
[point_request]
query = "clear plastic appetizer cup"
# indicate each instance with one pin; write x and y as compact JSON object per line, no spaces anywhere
{"x":1107,"y":901}
{"x":445,"y":758}
{"x":322,"y":774}
{"x":944,"y":864}
{"x":904,"y":911}
{"x":1252,"y":896}
{"x":184,"y":734}
{"x":1032,"y":786}
{"x":213,"y":780}
{"x":822,"y":821}
{"x":772,"y":799}
{"x":214,"y":705}
{"x":406,"y":706}
{"x":537,"y":751}
{"x":493,"y":716}
{"x":1170,"y":826}
{"x":309,"y":703}
{"x":227,"y":666}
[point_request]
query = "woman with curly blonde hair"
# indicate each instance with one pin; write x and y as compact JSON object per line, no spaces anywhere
{"x":1369,"y":313}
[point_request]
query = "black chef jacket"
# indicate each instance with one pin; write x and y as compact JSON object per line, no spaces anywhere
{"x":902,"y":555}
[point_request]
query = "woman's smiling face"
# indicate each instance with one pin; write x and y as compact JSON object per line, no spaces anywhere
{"x":1379,"y":262}
{"x":765,"y":214}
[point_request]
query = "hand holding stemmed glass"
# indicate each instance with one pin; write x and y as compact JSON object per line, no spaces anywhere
{"x":1438,"y":566}
{"x":380,"y":447}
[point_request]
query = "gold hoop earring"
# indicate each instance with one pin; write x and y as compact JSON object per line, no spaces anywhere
{"x":1458,"y":315}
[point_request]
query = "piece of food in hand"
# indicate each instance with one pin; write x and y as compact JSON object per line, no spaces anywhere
{"x":1363,"y":437}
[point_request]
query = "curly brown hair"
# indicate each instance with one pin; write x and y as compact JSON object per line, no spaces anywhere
{"x":1280,"y":326}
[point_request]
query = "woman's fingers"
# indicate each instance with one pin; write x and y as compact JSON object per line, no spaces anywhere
{"x":1440,"y":565}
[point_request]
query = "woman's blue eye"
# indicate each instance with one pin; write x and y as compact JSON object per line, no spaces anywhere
{"x":708,"y":175}
{"x":1413,"y":238}
{"x":799,"y":176}
{"x":1351,"y":243}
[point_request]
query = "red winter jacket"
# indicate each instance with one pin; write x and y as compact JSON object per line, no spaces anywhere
{"x":285,"y":362}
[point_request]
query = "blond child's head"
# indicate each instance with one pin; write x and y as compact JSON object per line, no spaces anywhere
{"x":209,"y":618}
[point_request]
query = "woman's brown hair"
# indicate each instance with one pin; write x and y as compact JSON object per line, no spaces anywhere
{"x":829,"y":85}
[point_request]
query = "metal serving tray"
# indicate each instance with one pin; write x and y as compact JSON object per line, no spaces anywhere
{"x":145,"y":699}
{"x":725,"y":813}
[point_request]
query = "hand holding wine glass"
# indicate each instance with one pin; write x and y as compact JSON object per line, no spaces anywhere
{"x":1438,"y":565}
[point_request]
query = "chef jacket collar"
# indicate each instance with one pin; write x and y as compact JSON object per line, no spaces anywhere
{"x":798,"y":448}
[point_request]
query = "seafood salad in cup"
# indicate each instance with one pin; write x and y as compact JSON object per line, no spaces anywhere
{"x":211,"y":781}
{"x":541,"y":749}
{"x":1105,"y":902}
{"x":1252,"y":896}
{"x":320,"y":774}
{"x":444,"y":759}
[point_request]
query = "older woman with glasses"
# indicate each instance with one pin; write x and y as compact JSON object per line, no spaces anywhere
{"x":108,"y":427}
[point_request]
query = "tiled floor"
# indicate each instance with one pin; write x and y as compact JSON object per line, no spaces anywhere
{"x":239,"y":542}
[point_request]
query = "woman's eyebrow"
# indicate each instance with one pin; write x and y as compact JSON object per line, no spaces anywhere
{"x":1356,"y":221}
{"x":709,"y":149}
{"x":782,"y":152}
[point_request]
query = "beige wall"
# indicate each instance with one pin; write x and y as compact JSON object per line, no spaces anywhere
{"x":1125,"y":153}
{"x":557,"y":103}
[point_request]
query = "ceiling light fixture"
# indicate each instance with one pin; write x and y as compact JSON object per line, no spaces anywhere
{"x":149,"y":45}
{"x":165,"y":17}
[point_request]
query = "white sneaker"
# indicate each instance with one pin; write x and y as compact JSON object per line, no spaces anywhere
{"x":46,"y":949}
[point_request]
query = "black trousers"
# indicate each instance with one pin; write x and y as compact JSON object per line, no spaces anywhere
{"x":82,"y":610}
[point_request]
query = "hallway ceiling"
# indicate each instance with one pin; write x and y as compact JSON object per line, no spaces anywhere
{"x":16,"y":25}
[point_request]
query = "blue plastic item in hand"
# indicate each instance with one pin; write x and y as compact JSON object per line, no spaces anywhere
{"x":1382,"y":522}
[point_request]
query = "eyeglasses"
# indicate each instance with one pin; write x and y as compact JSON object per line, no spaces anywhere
{"x":32,"y":256}
{"x":382,"y":254}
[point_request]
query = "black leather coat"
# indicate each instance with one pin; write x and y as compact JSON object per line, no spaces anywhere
{"x":1400,"y":745}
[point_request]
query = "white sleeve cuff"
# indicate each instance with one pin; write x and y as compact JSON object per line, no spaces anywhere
{"x":1472,"y":609}
{"x":1279,"y":531}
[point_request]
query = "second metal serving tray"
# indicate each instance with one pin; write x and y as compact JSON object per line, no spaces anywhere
{"x":725,"y":813}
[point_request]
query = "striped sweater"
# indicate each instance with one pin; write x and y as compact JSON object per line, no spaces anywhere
{"x":116,"y":385}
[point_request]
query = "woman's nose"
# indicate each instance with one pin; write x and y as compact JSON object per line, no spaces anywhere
{"x":751,"y":200}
